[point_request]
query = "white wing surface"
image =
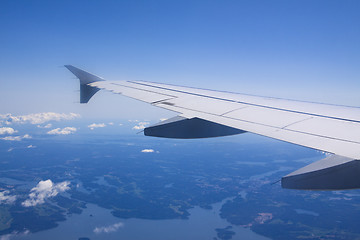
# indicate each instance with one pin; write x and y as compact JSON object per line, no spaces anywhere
{"x":330,"y":128}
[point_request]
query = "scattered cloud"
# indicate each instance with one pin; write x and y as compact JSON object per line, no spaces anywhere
{"x":147,"y":150}
{"x":37,"y":118}
{"x":49,"y":125}
{"x":111,"y":123}
{"x":10,"y":149}
{"x":108,"y":229}
{"x":120,"y":124}
{"x":16,"y":138}
{"x":64,"y":131}
{"x":14,"y":234}
{"x":44,"y":190}
{"x":7,"y":130}
{"x":140,"y":126}
{"x":96,"y":125}
{"x":31,"y":146}
{"x":6,"y":198}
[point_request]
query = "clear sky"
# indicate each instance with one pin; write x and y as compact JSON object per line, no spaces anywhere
{"x":300,"y":49}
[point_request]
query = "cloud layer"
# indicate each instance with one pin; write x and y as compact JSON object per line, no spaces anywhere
{"x":147,"y":150}
{"x":49,"y":125}
{"x":37,"y":118}
{"x":16,"y":138}
{"x":14,"y":234}
{"x":6,"y":198}
{"x":140,"y":125}
{"x":64,"y":131}
{"x":96,"y":125}
{"x":44,"y":190}
{"x":7,"y":130}
{"x":109,"y":229}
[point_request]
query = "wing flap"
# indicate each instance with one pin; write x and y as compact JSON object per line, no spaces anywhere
{"x":329,"y":128}
{"x":266,"y":116}
{"x":200,"y":104}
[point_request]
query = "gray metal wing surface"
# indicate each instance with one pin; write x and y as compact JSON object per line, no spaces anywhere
{"x":205,"y":113}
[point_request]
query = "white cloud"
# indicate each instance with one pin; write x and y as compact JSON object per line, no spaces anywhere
{"x":108,"y":229}
{"x":111,"y":123}
{"x":120,"y":124}
{"x":7,"y":130}
{"x":140,"y":126}
{"x":64,"y":131}
{"x":147,"y":150}
{"x":37,"y":118}
{"x":44,"y":190}
{"x":49,"y":125}
{"x":10,"y":149}
{"x":16,"y":138}
{"x":96,"y":125}
{"x":14,"y":234}
{"x":6,"y":198}
{"x":31,"y":146}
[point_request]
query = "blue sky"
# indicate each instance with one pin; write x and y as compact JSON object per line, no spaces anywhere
{"x":294,"y":49}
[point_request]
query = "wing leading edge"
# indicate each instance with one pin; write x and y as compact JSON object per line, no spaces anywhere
{"x":206,"y":113}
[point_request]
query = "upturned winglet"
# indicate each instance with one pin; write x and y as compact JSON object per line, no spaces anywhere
{"x":86,"y":91}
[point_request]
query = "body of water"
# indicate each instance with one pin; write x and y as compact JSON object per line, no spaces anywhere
{"x":97,"y":223}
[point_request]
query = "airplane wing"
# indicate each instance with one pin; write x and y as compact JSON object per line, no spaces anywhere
{"x":204,"y":113}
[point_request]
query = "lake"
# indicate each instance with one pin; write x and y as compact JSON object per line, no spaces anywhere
{"x":97,"y":223}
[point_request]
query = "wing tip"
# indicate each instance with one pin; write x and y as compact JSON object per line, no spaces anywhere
{"x":86,"y":91}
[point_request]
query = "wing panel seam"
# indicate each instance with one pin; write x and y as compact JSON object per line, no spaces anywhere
{"x":265,"y":125}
